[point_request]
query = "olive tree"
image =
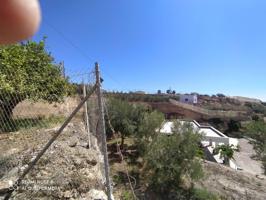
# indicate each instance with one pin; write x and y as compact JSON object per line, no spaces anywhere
{"x":172,"y":158}
{"x":148,"y":129}
{"x":130,"y":119}
{"x":122,"y":115}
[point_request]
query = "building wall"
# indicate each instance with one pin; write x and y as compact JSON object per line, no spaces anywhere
{"x":216,"y":140}
{"x":187,"y":98}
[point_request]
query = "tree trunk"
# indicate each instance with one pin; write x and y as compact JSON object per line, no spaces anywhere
{"x":7,"y":123}
{"x":226,"y":161}
{"x":122,"y":142}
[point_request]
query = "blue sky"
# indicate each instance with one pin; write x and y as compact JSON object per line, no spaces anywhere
{"x":202,"y":46}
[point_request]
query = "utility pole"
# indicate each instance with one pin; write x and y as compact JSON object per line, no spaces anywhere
{"x":86,"y":114}
{"x":103,"y":131}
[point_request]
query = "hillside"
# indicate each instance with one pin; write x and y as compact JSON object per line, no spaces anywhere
{"x":232,"y":184}
{"x":77,"y":170}
{"x":236,"y":106}
{"x":69,"y":170}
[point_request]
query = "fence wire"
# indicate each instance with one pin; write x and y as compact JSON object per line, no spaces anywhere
{"x":73,"y":166}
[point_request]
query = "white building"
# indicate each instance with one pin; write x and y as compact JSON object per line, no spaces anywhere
{"x":189,"y":98}
{"x":211,"y":138}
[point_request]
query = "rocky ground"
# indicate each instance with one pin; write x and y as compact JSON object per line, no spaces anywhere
{"x":231,"y":184}
{"x":68,"y":170}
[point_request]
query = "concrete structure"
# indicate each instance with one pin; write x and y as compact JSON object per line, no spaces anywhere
{"x":211,"y":138}
{"x":189,"y":98}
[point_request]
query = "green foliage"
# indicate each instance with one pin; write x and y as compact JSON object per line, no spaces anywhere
{"x":220,"y":95}
{"x":203,"y":194}
{"x":27,"y":70}
{"x":127,"y":195}
{"x":133,"y":119}
{"x":255,"y":118}
{"x":257,"y":131}
{"x":233,"y":126}
{"x":171,"y":158}
{"x":234,"y":129}
{"x":134,"y":97}
{"x":226,"y":152}
{"x":148,"y":129}
{"x":256,"y":107}
{"x":123,"y":117}
{"x":119,"y":178}
{"x":200,"y":153}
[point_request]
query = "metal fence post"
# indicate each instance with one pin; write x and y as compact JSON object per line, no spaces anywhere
{"x":103,"y":131}
{"x":86,"y":115}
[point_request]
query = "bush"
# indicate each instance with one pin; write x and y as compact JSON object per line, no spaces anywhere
{"x":256,"y":107}
{"x":203,"y":194}
{"x":226,"y":152}
{"x":233,"y":126}
{"x":220,"y":95}
{"x":127,"y":195}
{"x":257,"y":131}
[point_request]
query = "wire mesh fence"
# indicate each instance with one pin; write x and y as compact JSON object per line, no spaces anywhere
{"x":73,"y":165}
{"x":23,"y":110}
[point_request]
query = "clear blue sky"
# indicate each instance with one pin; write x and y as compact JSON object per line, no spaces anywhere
{"x":205,"y":46}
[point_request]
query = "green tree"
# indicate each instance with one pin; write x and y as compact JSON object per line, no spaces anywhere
{"x":226,"y":152}
{"x":171,"y":159}
{"x":28,"y":71}
{"x":148,"y":128}
{"x":122,"y":116}
{"x":133,"y":119}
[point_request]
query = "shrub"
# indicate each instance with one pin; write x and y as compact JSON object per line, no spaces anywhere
{"x":203,"y":194}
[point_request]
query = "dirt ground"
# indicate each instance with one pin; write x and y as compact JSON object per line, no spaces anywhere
{"x":29,"y":108}
{"x":68,"y":170}
{"x":244,"y":160}
{"x":231,"y":184}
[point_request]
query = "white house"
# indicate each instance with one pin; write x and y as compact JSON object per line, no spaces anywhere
{"x":189,"y":98}
{"x":211,"y":138}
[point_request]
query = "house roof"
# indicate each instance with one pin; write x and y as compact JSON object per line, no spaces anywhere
{"x":208,"y":131}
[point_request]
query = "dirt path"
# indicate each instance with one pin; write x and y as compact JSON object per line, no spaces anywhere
{"x":244,"y":159}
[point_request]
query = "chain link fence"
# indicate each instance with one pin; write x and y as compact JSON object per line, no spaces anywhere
{"x":72,"y":167}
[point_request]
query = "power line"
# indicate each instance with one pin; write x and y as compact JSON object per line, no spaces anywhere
{"x":119,"y":83}
{"x":83,"y":53}
{"x":68,"y":40}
